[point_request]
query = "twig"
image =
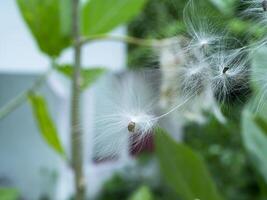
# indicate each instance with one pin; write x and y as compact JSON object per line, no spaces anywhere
{"x":125,"y":39}
{"x":21,"y":98}
{"x":76,"y":133}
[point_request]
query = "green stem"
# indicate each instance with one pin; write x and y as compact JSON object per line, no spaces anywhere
{"x":76,"y":133}
{"x":21,"y":98}
{"x":13,"y":104}
{"x":124,"y":39}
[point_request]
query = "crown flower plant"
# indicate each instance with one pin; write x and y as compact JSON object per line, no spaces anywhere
{"x":200,"y":104}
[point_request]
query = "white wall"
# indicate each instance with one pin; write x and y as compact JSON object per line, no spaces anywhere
{"x":26,"y":162}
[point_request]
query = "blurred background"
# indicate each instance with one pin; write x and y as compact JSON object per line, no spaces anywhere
{"x":31,"y":170}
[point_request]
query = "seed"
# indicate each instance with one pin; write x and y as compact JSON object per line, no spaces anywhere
{"x":131,"y":127}
{"x":225,"y":69}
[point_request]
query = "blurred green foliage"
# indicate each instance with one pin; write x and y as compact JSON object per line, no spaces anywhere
{"x":123,"y":185}
{"x":255,"y":141}
{"x":184,"y":169}
{"x":101,"y":16}
{"x":9,"y":194}
{"x":254,"y":119}
{"x":45,"y":123}
{"x":44,"y":21}
{"x":164,"y":18}
{"x":159,"y":19}
{"x":221,"y":147}
{"x":143,"y":193}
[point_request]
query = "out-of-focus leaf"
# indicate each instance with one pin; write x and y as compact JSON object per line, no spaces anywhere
{"x":89,"y":76}
{"x":143,"y":193}
{"x":255,"y":140}
{"x":184,"y":169}
{"x":65,"y":16}
{"x":45,"y":123}
{"x":102,"y":16}
{"x":259,"y":71}
{"x":258,"y":82}
{"x":254,"y":118}
{"x":261,"y":123}
{"x":44,"y":20}
{"x":238,"y":26}
{"x":9,"y":194}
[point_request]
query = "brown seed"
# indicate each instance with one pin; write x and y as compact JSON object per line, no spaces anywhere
{"x":131,"y":127}
{"x":225,"y":69}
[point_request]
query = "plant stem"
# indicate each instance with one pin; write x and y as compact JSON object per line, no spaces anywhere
{"x":125,"y":39}
{"x":21,"y":98}
{"x":76,"y":134}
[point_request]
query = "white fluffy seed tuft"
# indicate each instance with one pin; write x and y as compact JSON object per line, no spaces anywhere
{"x":128,"y":111}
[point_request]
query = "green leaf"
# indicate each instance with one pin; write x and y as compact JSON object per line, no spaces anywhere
{"x":44,"y":20}
{"x":89,"y":76}
{"x":254,"y":134}
{"x":9,"y":194}
{"x":184,"y":169}
{"x":258,"y":79}
{"x":66,"y":16}
{"x":143,"y":193}
{"x":261,"y":123}
{"x":102,"y":16}
{"x":238,"y":26}
{"x":45,"y":123}
{"x":258,"y":70}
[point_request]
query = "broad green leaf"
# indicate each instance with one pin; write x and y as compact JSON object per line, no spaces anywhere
{"x":184,"y":169}
{"x":261,"y":123}
{"x":44,"y":20}
{"x":102,"y":16}
{"x":66,"y":16}
{"x":254,"y":118}
{"x":143,"y":193}
{"x":89,"y":76}
{"x":258,"y":82}
{"x":254,"y":134}
{"x":259,"y":71}
{"x":9,"y":194}
{"x":45,"y":123}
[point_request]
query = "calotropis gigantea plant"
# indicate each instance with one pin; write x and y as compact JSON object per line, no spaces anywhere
{"x":202,"y":70}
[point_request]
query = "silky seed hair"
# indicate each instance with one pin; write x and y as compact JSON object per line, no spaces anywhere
{"x":259,"y":79}
{"x":127,"y":111}
{"x":204,"y":35}
{"x":230,"y":74}
{"x":186,"y":83}
{"x":256,"y":10}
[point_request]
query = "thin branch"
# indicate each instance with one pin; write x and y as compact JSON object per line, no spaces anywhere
{"x":21,"y":98}
{"x":76,"y":133}
{"x":124,"y":39}
{"x":13,"y":104}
